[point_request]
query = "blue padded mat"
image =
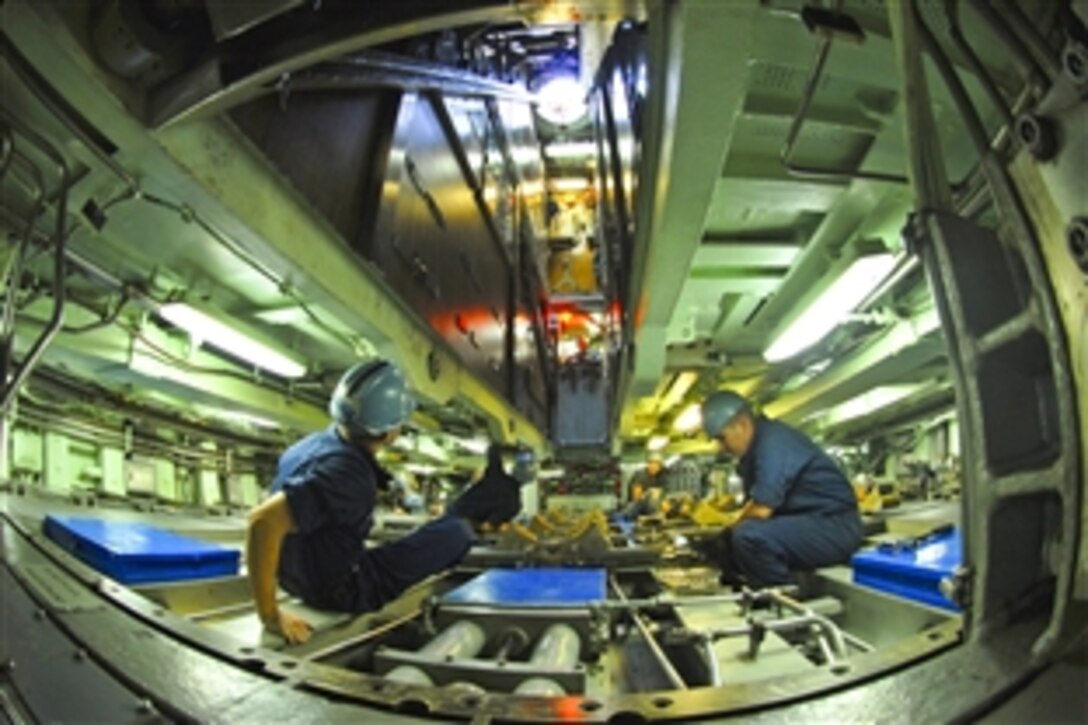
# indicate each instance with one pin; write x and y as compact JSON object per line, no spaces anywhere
{"x":914,"y":571}
{"x":134,"y":553}
{"x":546,"y":587}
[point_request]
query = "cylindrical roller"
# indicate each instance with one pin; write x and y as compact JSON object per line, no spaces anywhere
{"x":557,"y":649}
{"x":409,"y":675}
{"x":458,"y":641}
{"x":541,"y":687}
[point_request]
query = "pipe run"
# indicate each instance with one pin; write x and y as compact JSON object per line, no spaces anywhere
{"x":56,"y":320}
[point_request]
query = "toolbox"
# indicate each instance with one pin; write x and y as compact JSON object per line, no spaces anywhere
{"x":543,"y":587}
{"x":134,"y":553}
{"x":912,"y":568}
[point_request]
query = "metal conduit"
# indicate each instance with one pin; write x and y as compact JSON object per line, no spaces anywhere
{"x":7,"y":145}
{"x":26,"y":73}
{"x":829,"y":627}
{"x":658,"y":601}
{"x":59,"y":273}
{"x":1033,"y":38}
{"x":1025,"y":64}
{"x":7,"y":324}
{"x":951,"y":8}
{"x":963,"y":102}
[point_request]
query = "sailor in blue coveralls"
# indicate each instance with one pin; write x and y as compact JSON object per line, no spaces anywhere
{"x":309,"y":534}
{"x":800,"y":512}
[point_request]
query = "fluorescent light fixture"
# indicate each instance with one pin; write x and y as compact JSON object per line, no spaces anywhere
{"x":873,"y":400}
{"x":825,"y":312}
{"x":570,"y":150}
{"x":235,"y":416}
{"x":291,"y":315}
{"x":657,"y":443}
{"x":679,"y":387}
{"x":205,"y":328}
{"x":522,"y":155}
{"x":689,"y":419}
{"x":568,"y":183}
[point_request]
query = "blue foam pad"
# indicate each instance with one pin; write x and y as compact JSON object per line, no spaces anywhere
{"x":545,"y":587}
{"x":135,"y":553}
{"x":914,"y":572}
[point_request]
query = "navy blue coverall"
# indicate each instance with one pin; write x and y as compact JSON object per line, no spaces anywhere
{"x":331,"y":487}
{"x":815,"y":522}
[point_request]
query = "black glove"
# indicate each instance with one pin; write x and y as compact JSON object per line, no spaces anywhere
{"x":494,"y":499}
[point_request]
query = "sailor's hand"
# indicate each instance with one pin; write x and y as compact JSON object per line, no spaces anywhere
{"x":295,"y":630}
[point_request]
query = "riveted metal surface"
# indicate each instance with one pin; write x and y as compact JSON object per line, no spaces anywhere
{"x":41,"y":662}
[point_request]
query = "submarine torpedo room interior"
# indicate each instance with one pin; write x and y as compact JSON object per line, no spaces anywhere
{"x":569,"y":226}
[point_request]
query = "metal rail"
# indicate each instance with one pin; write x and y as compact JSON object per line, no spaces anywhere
{"x":663,"y":659}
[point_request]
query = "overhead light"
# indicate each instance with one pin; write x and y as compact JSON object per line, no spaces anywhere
{"x":825,"y":312}
{"x":236,"y":416}
{"x":681,"y":384}
{"x":569,"y":183}
{"x":570,"y":150}
{"x":205,"y":328}
{"x":657,"y":443}
{"x":873,"y":400}
{"x":689,"y":419}
{"x":561,"y":100}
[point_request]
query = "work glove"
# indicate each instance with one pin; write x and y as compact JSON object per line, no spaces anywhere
{"x":494,"y":499}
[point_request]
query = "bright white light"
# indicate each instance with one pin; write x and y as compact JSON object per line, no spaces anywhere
{"x":657,"y":443}
{"x":829,"y":309}
{"x":567,"y":349}
{"x":689,"y":419}
{"x":873,"y":400}
{"x":678,"y":389}
{"x":570,"y":150}
{"x":235,"y":416}
{"x":561,"y":100}
{"x":478,"y":446}
{"x":204,"y":328}
{"x":568,"y":183}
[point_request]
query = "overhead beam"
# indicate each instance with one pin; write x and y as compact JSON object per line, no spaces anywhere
{"x":744,"y":254}
{"x":698,"y":55}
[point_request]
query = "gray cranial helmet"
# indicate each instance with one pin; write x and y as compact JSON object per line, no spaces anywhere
{"x":719,"y":408}
{"x":372,"y":398}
